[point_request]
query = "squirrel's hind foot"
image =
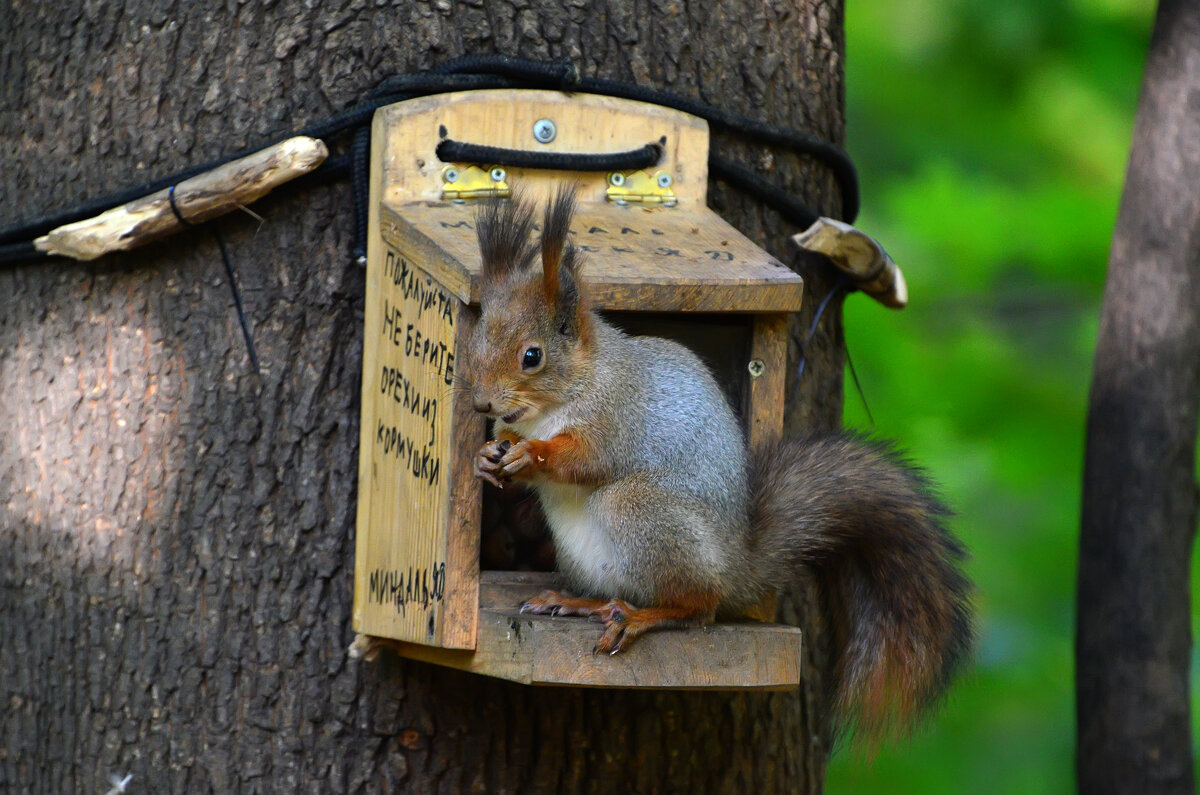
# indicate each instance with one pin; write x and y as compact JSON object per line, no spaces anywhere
{"x":623,"y":623}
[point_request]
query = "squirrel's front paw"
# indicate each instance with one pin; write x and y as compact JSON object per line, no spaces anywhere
{"x":487,"y":462}
{"x":518,"y":459}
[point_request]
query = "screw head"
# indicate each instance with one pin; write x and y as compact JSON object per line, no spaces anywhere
{"x":664,"y":180}
{"x":756,"y":368}
{"x":616,"y":179}
{"x":544,"y":131}
{"x":450,"y":174}
{"x":498,"y":174}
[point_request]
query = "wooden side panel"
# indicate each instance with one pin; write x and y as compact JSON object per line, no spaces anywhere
{"x":372,"y":314}
{"x":411,"y":582}
{"x":461,"y":613}
{"x":768,"y":371}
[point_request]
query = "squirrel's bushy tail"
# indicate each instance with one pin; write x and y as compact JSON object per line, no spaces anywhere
{"x":868,"y":524}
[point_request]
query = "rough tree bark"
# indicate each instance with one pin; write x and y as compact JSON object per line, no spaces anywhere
{"x":1139,"y":496}
{"x":176,"y":534}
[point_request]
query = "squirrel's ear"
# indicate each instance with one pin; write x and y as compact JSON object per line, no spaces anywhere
{"x":503,"y":227}
{"x":561,"y":260}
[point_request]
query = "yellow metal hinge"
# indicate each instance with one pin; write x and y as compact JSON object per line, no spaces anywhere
{"x":465,"y":181}
{"x":640,"y":187}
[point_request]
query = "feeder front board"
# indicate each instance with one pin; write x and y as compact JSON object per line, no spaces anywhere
{"x":412,"y":473}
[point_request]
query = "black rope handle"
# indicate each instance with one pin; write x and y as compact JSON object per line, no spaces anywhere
{"x":451,"y":151}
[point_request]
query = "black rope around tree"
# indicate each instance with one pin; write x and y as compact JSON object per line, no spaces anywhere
{"x":360,"y":175}
{"x":746,"y":180}
{"x":229,"y":274}
{"x":565,"y":76}
{"x":473,"y":73}
{"x":355,"y":117}
{"x":843,"y":284}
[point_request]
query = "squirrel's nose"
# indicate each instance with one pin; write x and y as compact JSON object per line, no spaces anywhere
{"x":482,"y":406}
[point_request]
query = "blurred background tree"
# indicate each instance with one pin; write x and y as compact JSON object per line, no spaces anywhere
{"x":992,"y":141}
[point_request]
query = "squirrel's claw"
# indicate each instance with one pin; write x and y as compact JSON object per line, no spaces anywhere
{"x":484,"y":469}
{"x":499,"y":461}
{"x":615,"y":639}
{"x":556,"y":604}
{"x":517,"y":459}
{"x":540,"y":605}
{"x":485,"y":476}
{"x":487,"y":462}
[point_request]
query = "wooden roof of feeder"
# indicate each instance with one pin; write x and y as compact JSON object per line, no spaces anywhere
{"x":640,"y":255}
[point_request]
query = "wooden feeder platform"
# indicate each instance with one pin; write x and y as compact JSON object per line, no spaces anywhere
{"x":545,"y":650}
{"x":652,"y":247}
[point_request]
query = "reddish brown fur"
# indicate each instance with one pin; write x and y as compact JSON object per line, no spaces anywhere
{"x":560,"y":604}
{"x":564,"y":459}
{"x":624,"y":623}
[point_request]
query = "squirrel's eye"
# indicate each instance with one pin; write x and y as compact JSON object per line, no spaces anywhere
{"x":532,"y":358}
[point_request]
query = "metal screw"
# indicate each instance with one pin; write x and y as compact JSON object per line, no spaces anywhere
{"x":664,"y":180}
{"x":450,"y":174}
{"x":498,"y":174}
{"x":544,"y":131}
{"x":616,"y":179}
{"x":756,"y":368}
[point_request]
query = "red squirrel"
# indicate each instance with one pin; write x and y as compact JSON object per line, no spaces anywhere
{"x":661,"y":515}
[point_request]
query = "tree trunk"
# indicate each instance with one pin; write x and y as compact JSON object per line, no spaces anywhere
{"x":1139,"y":496}
{"x":178,"y":533}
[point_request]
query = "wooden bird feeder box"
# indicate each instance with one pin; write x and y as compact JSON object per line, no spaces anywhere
{"x":657,"y":261}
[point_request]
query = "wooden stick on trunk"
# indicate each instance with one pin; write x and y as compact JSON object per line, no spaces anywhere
{"x":860,"y":257}
{"x":199,"y":199}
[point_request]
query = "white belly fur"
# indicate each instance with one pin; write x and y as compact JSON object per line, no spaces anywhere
{"x":585,"y":552}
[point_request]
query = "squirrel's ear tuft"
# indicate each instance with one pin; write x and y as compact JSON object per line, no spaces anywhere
{"x":561,"y":260}
{"x":556,"y":229}
{"x":503,"y":227}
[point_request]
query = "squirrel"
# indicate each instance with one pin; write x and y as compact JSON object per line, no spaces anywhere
{"x":661,"y":515}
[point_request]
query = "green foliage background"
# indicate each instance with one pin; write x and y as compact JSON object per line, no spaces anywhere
{"x":992,"y":140}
